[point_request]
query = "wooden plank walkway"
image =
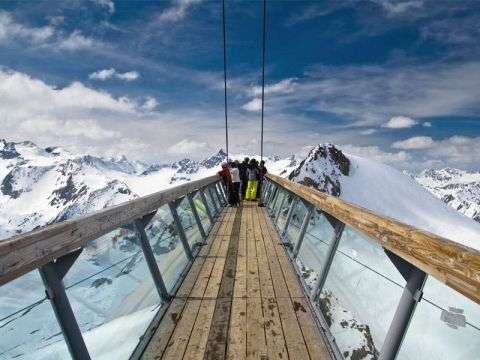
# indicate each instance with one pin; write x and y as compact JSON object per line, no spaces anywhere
{"x":240,"y":300}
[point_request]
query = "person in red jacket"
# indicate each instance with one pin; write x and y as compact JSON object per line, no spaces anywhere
{"x":226,"y":178}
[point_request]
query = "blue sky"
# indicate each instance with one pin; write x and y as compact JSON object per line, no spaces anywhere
{"x":396,"y":81}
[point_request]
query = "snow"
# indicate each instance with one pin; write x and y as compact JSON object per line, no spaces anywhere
{"x":388,"y":192}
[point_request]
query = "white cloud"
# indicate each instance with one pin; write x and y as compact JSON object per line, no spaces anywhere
{"x":284,"y":86}
{"x":77,"y":41}
{"x":128,"y":76}
{"x":186,"y":147}
{"x":110,"y":73}
{"x":400,"y":122}
{"x":102,"y":74}
{"x":393,"y":7}
{"x":9,"y":30}
{"x":253,"y":105}
{"x":368,"y":131}
{"x":414,"y":143}
{"x":177,"y":11}
{"x":150,"y":104}
{"x":427,"y":124}
{"x":107,"y":4}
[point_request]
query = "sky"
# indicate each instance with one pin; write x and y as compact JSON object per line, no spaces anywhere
{"x":396,"y":81}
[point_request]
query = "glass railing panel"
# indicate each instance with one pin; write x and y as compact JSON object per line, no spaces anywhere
{"x":445,"y":325}
{"x":28,"y":326}
{"x":359,"y":298}
{"x":167,"y":247}
{"x":112,"y":294}
{"x":293,"y":229}
{"x":315,"y":247}
{"x":212,"y":197}
{"x":189,"y":224}
{"x":278,"y":202}
{"x":284,"y":212}
{"x":209,"y":200}
{"x":202,"y":212}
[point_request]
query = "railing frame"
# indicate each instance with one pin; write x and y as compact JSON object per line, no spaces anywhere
{"x":52,"y":272}
{"x":414,"y":276}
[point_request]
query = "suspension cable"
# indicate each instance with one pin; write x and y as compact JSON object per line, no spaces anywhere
{"x":225,"y":74}
{"x":263,"y":73}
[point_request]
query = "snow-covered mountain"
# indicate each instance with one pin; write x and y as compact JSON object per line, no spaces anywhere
{"x":458,"y":188}
{"x":39,"y":186}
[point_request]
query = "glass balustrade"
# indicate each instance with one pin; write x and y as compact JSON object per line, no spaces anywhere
{"x":282,"y":217}
{"x":314,"y":251}
{"x":293,"y":229}
{"x":190,"y":227}
{"x":167,"y":248}
{"x":112,"y":294}
{"x":202,"y":212}
{"x":445,"y":325}
{"x":28,"y":326}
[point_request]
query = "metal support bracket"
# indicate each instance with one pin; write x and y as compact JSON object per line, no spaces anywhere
{"x":196,"y":216}
{"x":52,"y":275}
{"x":151,"y":262}
{"x":303,"y":230}
{"x":412,"y":294}
{"x":181,"y":232}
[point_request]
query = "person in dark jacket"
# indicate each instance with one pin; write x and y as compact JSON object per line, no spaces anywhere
{"x":262,"y":171}
{"x":242,"y":168}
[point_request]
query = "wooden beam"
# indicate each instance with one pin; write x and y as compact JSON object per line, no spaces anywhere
{"x":23,"y":253}
{"x":455,"y":265}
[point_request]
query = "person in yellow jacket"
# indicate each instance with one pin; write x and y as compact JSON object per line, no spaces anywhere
{"x":252,"y":184}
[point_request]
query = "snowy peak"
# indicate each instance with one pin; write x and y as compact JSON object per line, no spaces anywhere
{"x":8,"y":150}
{"x":323,"y":169}
{"x":458,"y":188}
{"x":214,"y":160}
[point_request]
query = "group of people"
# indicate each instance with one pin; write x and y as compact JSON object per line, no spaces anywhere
{"x":243,"y":180}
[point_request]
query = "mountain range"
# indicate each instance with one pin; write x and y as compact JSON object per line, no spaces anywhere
{"x":40,"y":186}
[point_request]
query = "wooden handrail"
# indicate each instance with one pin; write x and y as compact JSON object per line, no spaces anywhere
{"x":455,"y":265}
{"x":23,"y":253}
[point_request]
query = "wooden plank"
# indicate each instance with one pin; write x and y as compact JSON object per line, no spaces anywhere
{"x":23,"y":253}
{"x":237,"y":338}
{"x":159,"y":341}
{"x":253,"y":279}
{"x":256,"y":344}
{"x":274,"y":335}
{"x":456,"y":265}
{"x":216,"y":346}
{"x":198,"y":339}
{"x":316,"y":345}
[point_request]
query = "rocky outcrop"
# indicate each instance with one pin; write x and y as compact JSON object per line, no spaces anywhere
{"x":323,"y":169}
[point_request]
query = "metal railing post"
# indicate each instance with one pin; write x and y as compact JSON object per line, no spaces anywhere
{"x":322,"y":276}
{"x":289,"y":215}
{"x":223,"y":192}
{"x":303,"y":229}
{"x":411,"y":296}
{"x":213,"y":200}
{"x":196,"y":216}
{"x":205,"y":204}
{"x":151,"y":262}
{"x":277,"y":216}
{"x":181,"y":232}
{"x":222,"y":199}
{"x":52,"y":276}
